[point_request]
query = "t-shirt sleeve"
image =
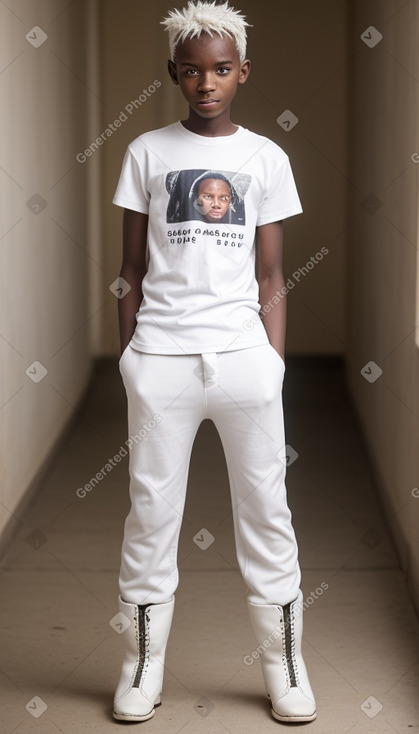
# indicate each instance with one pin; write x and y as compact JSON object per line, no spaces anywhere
{"x":131,"y":191}
{"x":281,"y":198}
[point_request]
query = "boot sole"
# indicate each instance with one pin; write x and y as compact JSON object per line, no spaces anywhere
{"x":293,"y":719}
{"x":134,"y":717}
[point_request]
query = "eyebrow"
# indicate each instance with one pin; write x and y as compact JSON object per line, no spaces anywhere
{"x":217,"y":63}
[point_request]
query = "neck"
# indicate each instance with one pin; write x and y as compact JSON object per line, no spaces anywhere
{"x":211,"y":128}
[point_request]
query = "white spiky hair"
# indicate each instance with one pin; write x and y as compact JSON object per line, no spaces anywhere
{"x":206,"y":17}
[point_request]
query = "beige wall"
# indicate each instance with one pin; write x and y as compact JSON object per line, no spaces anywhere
{"x":46,"y":265}
{"x":357,"y":129}
{"x":299,"y":59}
{"x":382,"y":255}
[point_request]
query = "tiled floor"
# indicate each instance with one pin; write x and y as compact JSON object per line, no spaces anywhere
{"x":60,"y":658}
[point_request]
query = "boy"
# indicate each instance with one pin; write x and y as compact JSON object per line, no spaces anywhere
{"x":194,"y":346}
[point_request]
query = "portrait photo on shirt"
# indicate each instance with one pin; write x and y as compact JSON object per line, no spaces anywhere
{"x":211,"y":196}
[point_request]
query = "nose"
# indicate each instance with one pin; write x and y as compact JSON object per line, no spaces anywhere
{"x":206,"y":83}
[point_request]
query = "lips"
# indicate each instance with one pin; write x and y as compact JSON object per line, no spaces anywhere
{"x":208,"y":102}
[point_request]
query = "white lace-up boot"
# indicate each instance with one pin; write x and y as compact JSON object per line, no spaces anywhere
{"x":278,"y":631}
{"x":141,"y":682}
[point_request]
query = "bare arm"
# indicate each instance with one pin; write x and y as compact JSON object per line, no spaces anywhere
{"x":133,"y":270}
{"x":271,"y":280}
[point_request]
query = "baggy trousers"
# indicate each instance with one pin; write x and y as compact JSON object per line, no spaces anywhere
{"x":168,"y":397}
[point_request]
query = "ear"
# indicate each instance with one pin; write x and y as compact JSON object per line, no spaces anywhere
{"x":171,"y":67}
{"x":244,"y":71}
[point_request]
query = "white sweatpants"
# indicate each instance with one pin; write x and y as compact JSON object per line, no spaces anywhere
{"x":168,"y":397}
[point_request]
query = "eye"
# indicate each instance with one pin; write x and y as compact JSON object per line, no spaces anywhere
{"x":190,"y":72}
{"x":223,"y":70}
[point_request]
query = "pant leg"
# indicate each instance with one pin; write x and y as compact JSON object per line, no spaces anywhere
{"x":246,"y":407}
{"x":165,"y":408}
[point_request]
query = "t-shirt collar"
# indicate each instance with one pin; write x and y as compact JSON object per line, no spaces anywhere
{"x":206,"y":140}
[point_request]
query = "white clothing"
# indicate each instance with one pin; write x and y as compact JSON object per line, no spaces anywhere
{"x":168,"y":397}
{"x":205,"y":196}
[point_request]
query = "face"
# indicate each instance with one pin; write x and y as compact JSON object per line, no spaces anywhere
{"x":208,"y":70}
{"x":214,"y":198}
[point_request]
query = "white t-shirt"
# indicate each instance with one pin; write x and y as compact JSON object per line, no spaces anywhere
{"x":204,"y":197}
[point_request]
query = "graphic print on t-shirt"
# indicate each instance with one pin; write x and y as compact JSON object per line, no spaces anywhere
{"x":211,"y":196}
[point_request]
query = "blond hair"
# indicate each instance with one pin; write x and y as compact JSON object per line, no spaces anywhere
{"x":206,"y":17}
